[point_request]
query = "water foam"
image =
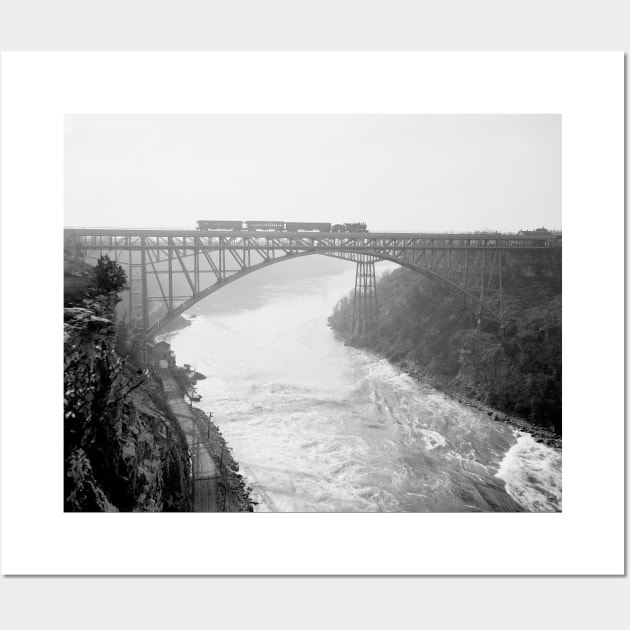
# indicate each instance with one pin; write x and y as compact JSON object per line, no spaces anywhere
{"x":432,"y":439}
{"x":532,"y":473}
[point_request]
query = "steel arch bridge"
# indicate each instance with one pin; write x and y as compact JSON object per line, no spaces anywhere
{"x":470,"y":265}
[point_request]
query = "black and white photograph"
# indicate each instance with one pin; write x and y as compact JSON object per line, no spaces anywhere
{"x":317,"y":319}
{"x":337,"y":339}
{"x":312,"y":313}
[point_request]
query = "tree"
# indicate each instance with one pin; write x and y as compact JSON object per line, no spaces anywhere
{"x":110,"y":276}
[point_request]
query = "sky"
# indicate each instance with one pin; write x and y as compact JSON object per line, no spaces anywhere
{"x":395,"y":172}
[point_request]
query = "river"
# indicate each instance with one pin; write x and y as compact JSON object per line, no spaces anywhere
{"x":319,"y":426}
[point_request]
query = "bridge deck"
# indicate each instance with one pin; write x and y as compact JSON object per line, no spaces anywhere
{"x":139,"y":239}
{"x":174,"y":233}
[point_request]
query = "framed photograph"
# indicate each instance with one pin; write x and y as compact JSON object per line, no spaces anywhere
{"x":334,"y":310}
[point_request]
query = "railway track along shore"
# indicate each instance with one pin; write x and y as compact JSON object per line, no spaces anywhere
{"x":205,"y":473}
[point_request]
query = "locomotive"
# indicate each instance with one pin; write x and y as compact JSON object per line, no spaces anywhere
{"x":537,"y":232}
{"x":543,"y":237}
{"x":279,"y":226}
{"x":350,"y":227}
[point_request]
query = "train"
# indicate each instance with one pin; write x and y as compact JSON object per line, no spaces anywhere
{"x":280,"y":226}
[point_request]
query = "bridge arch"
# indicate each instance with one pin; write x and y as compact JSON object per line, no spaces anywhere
{"x":350,"y":255}
{"x":466,"y":264}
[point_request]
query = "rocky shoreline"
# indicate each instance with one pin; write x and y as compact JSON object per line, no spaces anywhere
{"x":231,"y":489}
{"x":231,"y":485}
{"x":539,"y":434}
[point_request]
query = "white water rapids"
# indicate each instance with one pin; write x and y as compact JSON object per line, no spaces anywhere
{"x":319,"y":426}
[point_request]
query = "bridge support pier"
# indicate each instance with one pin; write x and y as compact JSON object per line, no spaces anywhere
{"x":365,"y":307}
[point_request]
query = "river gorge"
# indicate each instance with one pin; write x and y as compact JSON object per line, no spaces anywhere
{"x":317,"y":425}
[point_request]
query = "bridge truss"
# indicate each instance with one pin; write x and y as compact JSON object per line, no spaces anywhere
{"x":156,"y":261}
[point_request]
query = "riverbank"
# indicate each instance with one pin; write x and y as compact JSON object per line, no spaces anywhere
{"x":217,"y":485}
{"x":539,"y":434}
{"x":435,"y":333}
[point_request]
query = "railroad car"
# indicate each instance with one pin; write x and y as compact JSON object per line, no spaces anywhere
{"x":310,"y":227}
{"x":219,"y":225}
{"x":265,"y":225}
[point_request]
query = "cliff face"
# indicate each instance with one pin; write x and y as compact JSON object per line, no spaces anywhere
{"x":124,"y":450}
{"x":434,"y":333}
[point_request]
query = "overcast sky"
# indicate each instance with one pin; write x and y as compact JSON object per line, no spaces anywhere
{"x":407,"y":172}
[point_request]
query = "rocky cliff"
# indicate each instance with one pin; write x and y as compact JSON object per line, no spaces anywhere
{"x":124,"y":451}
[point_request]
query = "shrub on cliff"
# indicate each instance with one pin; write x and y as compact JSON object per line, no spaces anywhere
{"x":110,"y":276}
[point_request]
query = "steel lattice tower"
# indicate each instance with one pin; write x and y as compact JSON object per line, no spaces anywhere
{"x":365,"y":307}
